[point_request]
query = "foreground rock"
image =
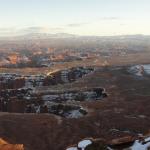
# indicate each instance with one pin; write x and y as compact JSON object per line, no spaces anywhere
{"x":66,"y":76}
{"x":6,"y":146}
{"x":90,"y":144}
{"x":124,"y":143}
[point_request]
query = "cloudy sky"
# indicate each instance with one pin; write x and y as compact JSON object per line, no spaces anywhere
{"x":82,"y":17}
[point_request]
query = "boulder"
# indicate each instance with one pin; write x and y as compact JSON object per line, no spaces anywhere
{"x":122,"y":143}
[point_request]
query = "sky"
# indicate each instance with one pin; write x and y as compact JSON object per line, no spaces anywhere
{"x":82,"y":17}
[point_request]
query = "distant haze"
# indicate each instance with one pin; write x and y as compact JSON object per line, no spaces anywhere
{"x":80,"y":17}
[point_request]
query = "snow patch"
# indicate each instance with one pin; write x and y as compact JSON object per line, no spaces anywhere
{"x":72,"y":148}
{"x":140,"y":70}
{"x":140,"y":145}
{"x":84,"y":143}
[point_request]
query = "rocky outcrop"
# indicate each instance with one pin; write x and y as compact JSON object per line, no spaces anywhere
{"x":14,"y":81}
{"x":26,"y":101}
{"x":11,"y":81}
{"x":68,"y":111}
{"x":66,"y":76}
{"x":123,"y":142}
{"x":88,"y":94}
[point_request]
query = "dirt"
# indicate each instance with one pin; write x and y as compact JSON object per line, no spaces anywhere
{"x":125,"y":112}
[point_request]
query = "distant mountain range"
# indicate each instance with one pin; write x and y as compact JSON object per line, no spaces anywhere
{"x":66,"y":35}
{"x":45,"y":32}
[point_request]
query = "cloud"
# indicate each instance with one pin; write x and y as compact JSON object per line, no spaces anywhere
{"x":7,"y":30}
{"x":123,"y":24}
{"x":77,"y":24}
{"x":110,"y":18}
{"x":41,"y":29}
{"x":27,"y":30}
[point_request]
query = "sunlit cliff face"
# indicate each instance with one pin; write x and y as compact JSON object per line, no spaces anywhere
{"x":13,"y":58}
{"x":37,"y":53}
{"x":52,"y":72}
{"x":4,"y":145}
{"x":50,"y":50}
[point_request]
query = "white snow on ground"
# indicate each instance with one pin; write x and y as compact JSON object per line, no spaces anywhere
{"x":138,"y":70}
{"x":147,"y":140}
{"x":147,"y":68}
{"x":139,"y":146}
{"x":84,"y":143}
{"x":49,"y":97}
{"x":72,"y":148}
{"x":75,"y":114}
{"x":108,"y":148}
